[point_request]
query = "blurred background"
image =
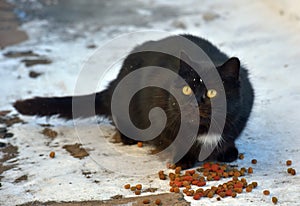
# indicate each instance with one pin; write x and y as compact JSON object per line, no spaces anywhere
{"x":94,"y":15}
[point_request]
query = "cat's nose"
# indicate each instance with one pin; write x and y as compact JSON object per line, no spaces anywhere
{"x":200,"y":97}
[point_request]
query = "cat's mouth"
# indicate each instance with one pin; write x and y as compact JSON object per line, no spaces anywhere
{"x":204,"y":122}
{"x":204,"y":117}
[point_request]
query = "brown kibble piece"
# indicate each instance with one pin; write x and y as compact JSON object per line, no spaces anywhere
{"x":241,"y":156}
{"x":248,"y":189}
{"x":146,"y":201}
{"x":140,"y":144}
{"x":289,"y":162}
{"x":293,"y":172}
{"x":238,"y":190}
{"x":127,"y":186}
{"x":243,"y":180}
{"x":254,"y":184}
{"x":162,"y":177}
{"x":157,"y":201}
{"x":188,"y":187}
{"x":137,"y":192}
{"x":274,"y":200}
{"x":222,"y":194}
{"x":236,"y":174}
{"x":52,"y":154}
{"x":172,"y":166}
{"x":161,"y":172}
{"x":250,"y":170}
{"x":243,"y":169}
{"x":172,"y":176}
{"x":176,"y":190}
{"x":138,"y":186}
{"x":254,"y":161}
{"x":225,"y":174}
{"x":177,"y":170}
{"x":133,"y":188}
{"x":266,"y":192}
{"x":200,"y":190}
{"x":210,"y":194}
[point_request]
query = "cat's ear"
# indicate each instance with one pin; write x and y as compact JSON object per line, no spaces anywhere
{"x":231,"y":69}
{"x":184,"y":57}
{"x":185,"y":64}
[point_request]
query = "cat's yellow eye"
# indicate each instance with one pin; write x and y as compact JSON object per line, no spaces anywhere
{"x":211,"y":93}
{"x":186,"y":90}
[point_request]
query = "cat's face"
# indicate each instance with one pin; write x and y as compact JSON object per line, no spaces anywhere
{"x":229,"y":73}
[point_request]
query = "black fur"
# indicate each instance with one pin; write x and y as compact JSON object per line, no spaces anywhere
{"x":239,"y":96}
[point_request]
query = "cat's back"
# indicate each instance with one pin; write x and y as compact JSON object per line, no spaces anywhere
{"x":164,"y":52}
{"x":210,"y":50}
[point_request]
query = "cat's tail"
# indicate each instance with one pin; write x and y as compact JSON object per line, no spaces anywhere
{"x":66,"y":107}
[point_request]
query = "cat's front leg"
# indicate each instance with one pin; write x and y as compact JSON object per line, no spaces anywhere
{"x":190,"y":158}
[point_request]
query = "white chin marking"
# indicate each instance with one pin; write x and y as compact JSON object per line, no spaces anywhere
{"x":209,"y":140}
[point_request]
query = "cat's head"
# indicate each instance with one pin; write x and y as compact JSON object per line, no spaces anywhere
{"x":229,"y":74}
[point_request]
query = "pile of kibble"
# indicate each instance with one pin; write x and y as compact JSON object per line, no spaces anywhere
{"x":210,"y":172}
{"x":186,"y":181}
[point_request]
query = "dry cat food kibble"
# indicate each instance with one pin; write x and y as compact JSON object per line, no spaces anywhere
{"x":176,"y":190}
{"x":127,"y":186}
{"x":254,"y":161}
{"x":266,"y":192}
{"x":161,"y":175}
{"x":140,"y":144}
{"x":171,"y":166}
{"x":250,"y":170}
{"x":157,"y":201}
{"x":241,"y":156}
{"x":289,"y":162}
{"x":291,"y":171}
{"x":138,"y":186}
{"x":146,"y":201}
{"x":177,"y":170}
{"x":274,"y":200}
{"x":52,"y":154}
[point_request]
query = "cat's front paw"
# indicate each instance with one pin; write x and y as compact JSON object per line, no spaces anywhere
{"x":229,"y":155}
{"x":185,"y":164}
{"x":126,"y":140}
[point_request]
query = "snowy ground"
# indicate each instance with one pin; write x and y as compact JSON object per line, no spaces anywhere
{"x":263,"y":34}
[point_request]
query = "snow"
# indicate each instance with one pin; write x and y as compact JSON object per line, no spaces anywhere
{"x":263,"y":34}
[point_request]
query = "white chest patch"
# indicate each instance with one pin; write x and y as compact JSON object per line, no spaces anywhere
{"x":209,"y":140}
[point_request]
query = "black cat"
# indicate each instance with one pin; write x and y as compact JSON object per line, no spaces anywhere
{"x":238,"y":91}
